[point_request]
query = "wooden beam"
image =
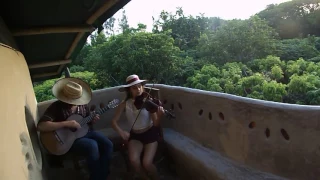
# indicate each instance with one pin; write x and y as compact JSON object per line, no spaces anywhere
{"x":44,"y":75}
{"x":47,"y":64}
{"x":91,"y":20}
{"x":101,"y":10}
{"x":49,"y":74}
{"x":74,"y":44}
{"x":60,"y":68}
{"x":52,"y":30}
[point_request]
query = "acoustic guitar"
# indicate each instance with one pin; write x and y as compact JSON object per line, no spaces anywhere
{"x":59,"y":142}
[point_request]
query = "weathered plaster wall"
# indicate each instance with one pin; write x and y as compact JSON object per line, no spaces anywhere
{"x":19,"y":152}
{"x":278,"y":138}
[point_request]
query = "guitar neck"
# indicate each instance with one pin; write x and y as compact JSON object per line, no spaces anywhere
{"x":91,"y":116}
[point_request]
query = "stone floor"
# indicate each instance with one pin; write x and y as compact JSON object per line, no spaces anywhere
{"x":118,"y":170}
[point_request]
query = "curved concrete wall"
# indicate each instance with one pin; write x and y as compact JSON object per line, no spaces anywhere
{"x":20,"y":153}
{"x":273,"y":137}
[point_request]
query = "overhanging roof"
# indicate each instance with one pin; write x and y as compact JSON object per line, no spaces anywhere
{"x":50,"y":33}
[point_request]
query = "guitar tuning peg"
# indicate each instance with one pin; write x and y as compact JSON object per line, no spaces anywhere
{"x":93,"y":107}
{"x":101,"y":105}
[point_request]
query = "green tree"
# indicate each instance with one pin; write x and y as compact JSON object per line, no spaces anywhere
{"x":123,"y":22}
{"x":300,"y":85}
{"x":292,"y":49}
{"x":151,"y":56}
{"x":296,"y":18}
{"x":274,"y":91}
{"x":185,"y":30}
{"x":109,"y":26}
{"x":206,"y":79}
{"x":239,"y":41}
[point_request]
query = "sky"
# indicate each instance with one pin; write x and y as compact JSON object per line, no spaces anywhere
{"x":141,"y":11}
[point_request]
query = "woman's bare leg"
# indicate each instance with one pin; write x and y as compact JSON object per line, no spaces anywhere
{"x":147,"y":162}
{"x":135,"y":148}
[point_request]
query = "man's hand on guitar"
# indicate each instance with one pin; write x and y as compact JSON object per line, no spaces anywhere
{"x":95,"y":118}
{"x":73,"y":124}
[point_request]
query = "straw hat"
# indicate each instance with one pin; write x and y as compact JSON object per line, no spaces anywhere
{"x":132,"y":80}
{"x":72,"y":91}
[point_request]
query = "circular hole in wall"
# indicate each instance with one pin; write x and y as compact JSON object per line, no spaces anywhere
{"x":200,"y":112}
{"x":165,"y":101}
{"x":180,"y":106}
{"x":27,"y":156}
{"x":252,"y":125}
{"x":30,"y":166}
{"x":210,"y":116}
{"x":267,"y":132}
{"x":23,"y":140}
{"x":285,"y":134}
{"x":221,"y":116}
{"x":172,"y":106}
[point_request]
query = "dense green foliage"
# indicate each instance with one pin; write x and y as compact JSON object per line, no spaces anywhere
{"x":258,"y":57}
{"x":296,"y":18}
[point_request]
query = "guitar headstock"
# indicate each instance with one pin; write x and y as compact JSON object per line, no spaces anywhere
{"x":114,"y":103}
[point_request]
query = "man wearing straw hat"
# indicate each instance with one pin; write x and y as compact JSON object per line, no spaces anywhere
{"x":73,"y":96}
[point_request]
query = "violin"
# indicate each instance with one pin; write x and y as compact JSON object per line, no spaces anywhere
{"x":151,"y":104}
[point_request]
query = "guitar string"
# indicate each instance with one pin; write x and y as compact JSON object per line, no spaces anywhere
{"x":89,"y":118}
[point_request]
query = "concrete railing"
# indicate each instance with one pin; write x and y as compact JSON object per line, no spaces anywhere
{"x":273,"y":137}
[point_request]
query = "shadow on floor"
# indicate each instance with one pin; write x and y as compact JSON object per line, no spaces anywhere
{"x":118,"y":170}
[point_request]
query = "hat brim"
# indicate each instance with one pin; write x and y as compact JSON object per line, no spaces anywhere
{"x":123,"y":87}
{"x":57,"y":91}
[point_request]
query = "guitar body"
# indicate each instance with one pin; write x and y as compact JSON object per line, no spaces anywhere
{"x":60,"y":141}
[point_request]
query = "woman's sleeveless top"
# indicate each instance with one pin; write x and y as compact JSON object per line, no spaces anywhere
{"x":144,"y":119}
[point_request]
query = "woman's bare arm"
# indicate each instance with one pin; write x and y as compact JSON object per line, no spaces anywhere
{"x":116,"y":117}
{"x":157,"y":116}
{"x":155,"y":119}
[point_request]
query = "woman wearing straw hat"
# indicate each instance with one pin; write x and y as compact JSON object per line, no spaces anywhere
{"x":144,"y":133}
{"x":73,"y":97}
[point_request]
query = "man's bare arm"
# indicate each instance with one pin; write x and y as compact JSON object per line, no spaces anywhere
{"x":48,"y":126}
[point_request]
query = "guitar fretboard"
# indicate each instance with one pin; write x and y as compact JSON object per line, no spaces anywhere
{"x":91,"y":116}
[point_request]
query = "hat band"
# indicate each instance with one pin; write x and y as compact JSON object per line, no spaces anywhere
{"x":132,"y":80}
